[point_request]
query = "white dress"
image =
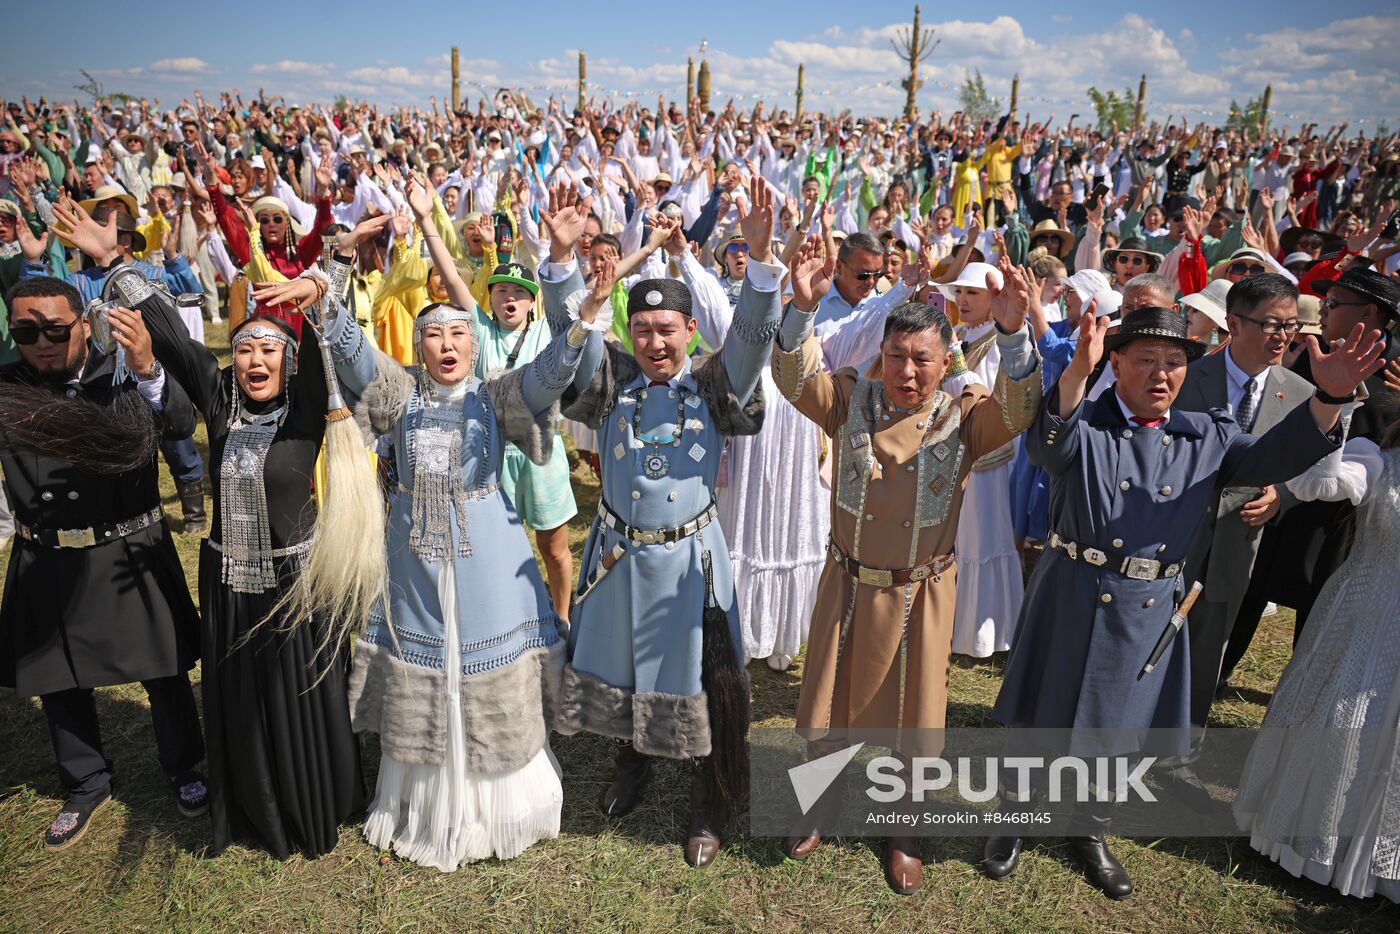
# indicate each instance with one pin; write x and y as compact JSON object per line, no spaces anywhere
{"x":990,"y":582}
{"x":773,"y":505}
{"x":441,"y":816}
{"x":1320,"y":793}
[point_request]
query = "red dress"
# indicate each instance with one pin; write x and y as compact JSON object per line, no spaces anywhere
{"x":308,"y":250}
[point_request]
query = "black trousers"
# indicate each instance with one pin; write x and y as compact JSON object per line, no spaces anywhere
{"x":85,"y":772}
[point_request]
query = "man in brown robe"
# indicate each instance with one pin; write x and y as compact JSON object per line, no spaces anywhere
{"x":877,"y":658}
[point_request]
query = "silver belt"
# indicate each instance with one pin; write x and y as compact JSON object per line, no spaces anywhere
{"x":655,"y":536}
{"x":87,"y":538}
{"x":1140,"y":569}
{"x":298,"y":549}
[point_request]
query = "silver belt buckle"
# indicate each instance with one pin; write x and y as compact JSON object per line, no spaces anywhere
{"x":76,"y":538}
{"x":1142,"y":569}
{"x":920,"y":573}
{"x":875,"y":577}
{"x":1095,"y":557}
{"x":650,"y":538}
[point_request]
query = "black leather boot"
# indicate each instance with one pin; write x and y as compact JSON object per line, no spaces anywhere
{"x":1001,"y":855}
{"x":702,"y":838}
{"x":192,"y":506}
{"x":1101,"y":867}
{"x":633,"y":771}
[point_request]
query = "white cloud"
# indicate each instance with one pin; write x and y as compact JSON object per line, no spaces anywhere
{"x":290,"y":67}
{"x":185,"y":66}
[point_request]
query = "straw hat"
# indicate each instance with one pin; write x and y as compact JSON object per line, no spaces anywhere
{"x":1210,"y":302}
{"x":107,"y":193}
{"x":1048,"y":226}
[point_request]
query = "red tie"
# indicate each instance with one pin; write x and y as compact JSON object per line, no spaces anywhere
{"x":1148,"y":422}
{"x":656,"y":382}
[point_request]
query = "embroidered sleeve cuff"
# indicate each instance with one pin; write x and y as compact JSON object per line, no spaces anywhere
{"x":765,"y":277}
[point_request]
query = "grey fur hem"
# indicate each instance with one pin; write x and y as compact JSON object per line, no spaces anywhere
{"x":532,"y":433}
{"x":504,"y":712}
{"x":400,"y":702}
{"x":671,"y":726}
{"x":385,"y":399}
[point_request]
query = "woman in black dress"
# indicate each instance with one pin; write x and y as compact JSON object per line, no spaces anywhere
{"x":284,"y":765}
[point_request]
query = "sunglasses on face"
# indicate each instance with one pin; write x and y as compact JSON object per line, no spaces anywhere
{"x":1045,"y":239}
{"x":1330,"y":304}
{"x":867,"y":276}
{"x":1309,"y":243}
{"x":271,"y":219}
{"x":1244,"y":269}
{"x":1131,"y":260}
{"x":737,"y":248}
{"x":55,"y":333}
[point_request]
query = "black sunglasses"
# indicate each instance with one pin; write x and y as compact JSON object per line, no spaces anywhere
{"x":1244,"y":269}
{"x":867,"y":276}
{"x":55,"y":333}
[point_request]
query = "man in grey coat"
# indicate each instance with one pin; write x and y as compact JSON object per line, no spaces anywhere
{"x":1247,"y":380}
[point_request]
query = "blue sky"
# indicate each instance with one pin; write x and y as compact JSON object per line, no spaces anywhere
{"x":1327,"y":61}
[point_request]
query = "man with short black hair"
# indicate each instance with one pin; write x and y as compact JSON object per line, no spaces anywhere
{"x":94,"y":595}
{"x":902,"y":451}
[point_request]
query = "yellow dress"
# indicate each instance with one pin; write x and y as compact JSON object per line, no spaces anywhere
{"x":475,"y":271}
{"x":400,"y":295}
{"x":967,"y":186}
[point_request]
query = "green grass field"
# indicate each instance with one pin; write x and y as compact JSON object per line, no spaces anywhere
{"x":141,"y":866}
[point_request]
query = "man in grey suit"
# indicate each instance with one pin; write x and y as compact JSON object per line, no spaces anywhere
{"x":1246,"y":379}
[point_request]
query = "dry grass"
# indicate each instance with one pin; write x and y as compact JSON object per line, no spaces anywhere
{"x":141,"y":866}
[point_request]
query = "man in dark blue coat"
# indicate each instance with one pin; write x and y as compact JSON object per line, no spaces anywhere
{"x":1132,"y":479}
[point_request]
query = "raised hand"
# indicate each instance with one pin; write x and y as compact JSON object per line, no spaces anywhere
{"x":565,"y":220}
{"x":73,"y":224}
{"x":811,"y":276}
{"x":1009,"y":301}
{"x":31,"y":246}
{"x":1088,"y":345}
{"x":345,"y":243}
{"x":756,"y":220}
{"x":420,"y":198}
{"x":1392,"y":375}
{"x":1339,"y":373}
{"x":303,"y":292}
{"x":600,"y":290}
{"x":402,"y":222}
{"x":662,"y":227}
{"x":130,"y":331}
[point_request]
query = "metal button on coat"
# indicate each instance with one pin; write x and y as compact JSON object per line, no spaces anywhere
{"x":1125,"y":485}
{"x":72,"y":392}
{"x":1166,"y":439}
{"x":636,"y":494}
{"x":72,"y":494}
{"x":1161,"y":548}
{"x":1107,"y":598}
{"x":1118,"y":543}
{"x":1166,"y":491}
{"x":907,"y":523}
{"x":46,"y":496}
{"x":1147,"y":604}
{"x":1127,"y":433}
{"x":671,"y":496}
{"x":910,"y":468}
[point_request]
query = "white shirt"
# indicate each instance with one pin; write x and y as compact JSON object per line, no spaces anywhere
{"x":1235,"y":379}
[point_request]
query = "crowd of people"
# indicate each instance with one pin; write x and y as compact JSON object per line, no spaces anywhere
{"x":840,"y":380}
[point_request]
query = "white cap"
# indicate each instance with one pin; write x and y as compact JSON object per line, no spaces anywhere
{"x":1210,"y":301}
{"x":1108,"y":304}
{"x":258,"y":163}
{"x":1087,"y":283}
{"x":973,"y":276}
{"x":1299,"y":257}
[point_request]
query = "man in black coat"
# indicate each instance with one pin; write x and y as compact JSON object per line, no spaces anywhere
{"x":94,"y":594}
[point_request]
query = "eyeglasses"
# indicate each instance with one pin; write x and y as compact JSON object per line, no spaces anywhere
{"x":55,"y":333}
{"x":1244,"y":269}
{"x":1330,"y":304}
{"x":737,"y":248}
{"x":1309,"y":243}
{"x":1130,"y":260}
{"x":271,"y":219}
{"x":868,"y":276}
{"x":1271,"y":328}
